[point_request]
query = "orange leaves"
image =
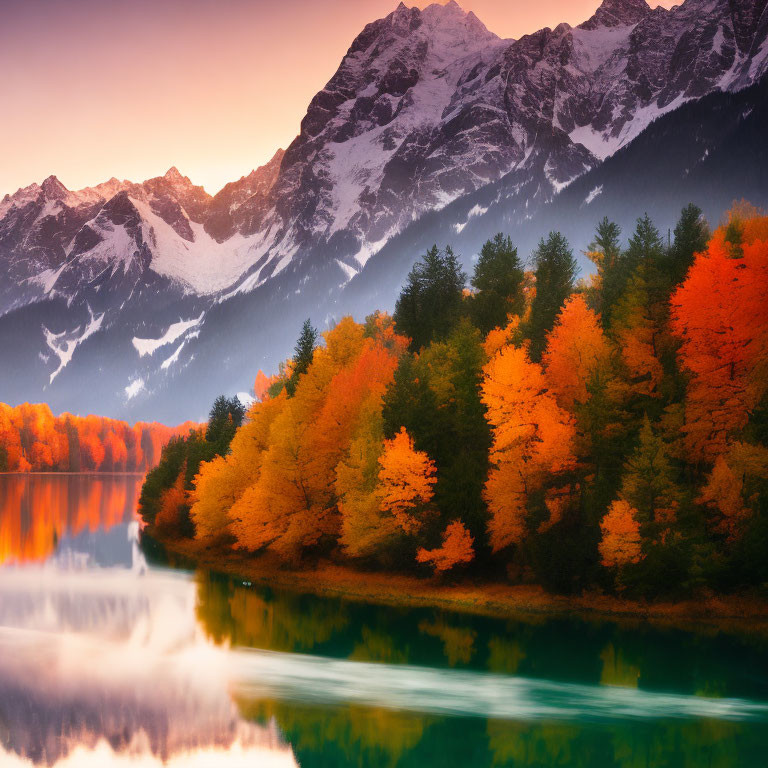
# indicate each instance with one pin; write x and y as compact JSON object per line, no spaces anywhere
{"x":532,"y":439}
{"x":171,"y":503}
{"x":576,"y":348}
{"x":620,"y":543}
{"x":457,"y":548}
{"x":407,"y":477}
{"x":719,"y":315}
{"x":36,"y":440}
{"x":303,"y":462}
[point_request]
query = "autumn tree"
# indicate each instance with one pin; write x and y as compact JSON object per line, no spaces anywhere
{"x":576,"y":348}
{"x":498,"y":283}
{"x":620,"y":544}
{"x":456,"y":549}
{"x":221,"y":481}
{"x":532,"y":441}
{"x":556,"y":270}
{"x":718,"y":314}
{"x":367,"y":530}
{"x":292,"y":505}
{"x":406,"y":480}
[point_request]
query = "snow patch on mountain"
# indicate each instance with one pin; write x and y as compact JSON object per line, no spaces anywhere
{"x":175,"y":330}
{"x":134,"y":388}
{"x":598,"y":190}
{"x":203,"y":265}
{"x":64,"y":344}
{"x":169,"y":361}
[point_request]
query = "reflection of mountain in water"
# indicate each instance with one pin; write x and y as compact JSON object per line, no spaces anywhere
{"x":93,"y":656}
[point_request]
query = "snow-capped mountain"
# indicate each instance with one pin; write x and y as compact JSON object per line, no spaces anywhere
{"x":429,"y":111}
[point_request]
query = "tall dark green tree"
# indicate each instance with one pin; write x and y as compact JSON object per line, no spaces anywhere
{"x":225,"y":417}
{"x":303,"y":353}
{"x":498,"y":280}
{"x":605,"y":252}
{"x":556,"y":270}
{"x":691,"y":236}
{"x":436,"y":397}
{"x":430,"y":303}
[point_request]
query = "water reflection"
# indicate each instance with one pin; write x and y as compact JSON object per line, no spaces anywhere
{"x":90,"y":660}
{"x":41,"y":515}
{"x":111,"y":663}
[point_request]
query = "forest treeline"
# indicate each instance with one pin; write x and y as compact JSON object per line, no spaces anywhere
{"x":533,"y":427}
{"x":32,"y":439}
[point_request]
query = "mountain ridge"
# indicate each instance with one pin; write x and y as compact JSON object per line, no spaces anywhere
{"x":427,"y":109}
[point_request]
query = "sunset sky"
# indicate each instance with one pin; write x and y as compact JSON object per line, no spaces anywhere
{"x":99,"y":88}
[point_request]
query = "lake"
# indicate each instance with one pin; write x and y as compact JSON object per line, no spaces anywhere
{"x":106,"y":660}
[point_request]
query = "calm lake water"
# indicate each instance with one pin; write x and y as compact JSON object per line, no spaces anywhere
{"x":106,"y":661}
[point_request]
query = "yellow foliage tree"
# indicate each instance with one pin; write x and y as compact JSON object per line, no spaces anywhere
{"x":620,"y":543}
{"x":726,"y":490}
{"x":406,"y":478}
{"x":221,"y":482}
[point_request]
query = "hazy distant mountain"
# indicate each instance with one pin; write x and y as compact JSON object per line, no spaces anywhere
{"x":158,"y":295}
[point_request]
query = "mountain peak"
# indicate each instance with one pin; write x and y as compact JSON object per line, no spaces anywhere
{"x":53,"y":189}
{"x":617,"y":13}
{"x":173,"y":176}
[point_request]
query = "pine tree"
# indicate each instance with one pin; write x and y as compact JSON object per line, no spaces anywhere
{"x":225,"y":417}
{"x":556,"y":270}
{"x":648,"y":484}
{"x":429,"y":305}
{"x":691,"y":237}
{"x":605,"y":253}
{"x":302,"y":355}
{"x":498,"y":280}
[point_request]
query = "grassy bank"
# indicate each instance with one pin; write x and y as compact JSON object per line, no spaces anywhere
{"x":721,"y":612}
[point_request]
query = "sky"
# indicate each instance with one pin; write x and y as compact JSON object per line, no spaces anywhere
{"x":91,"y":89}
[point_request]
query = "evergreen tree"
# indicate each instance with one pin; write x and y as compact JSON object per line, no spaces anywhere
{"x":645,"y":248}
{"x":435,"y":396}
{"x":605,"y":252}
{"x":556,"y":270}
{"x":648,"y":483}
{"x":430,"y":303}
{"x":302,"y":355}
{"x":691,"y":237}
{"x":225,"y":417}
{"x":498,"y":280}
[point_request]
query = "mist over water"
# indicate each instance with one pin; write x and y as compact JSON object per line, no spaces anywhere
{"x":106,"y":661}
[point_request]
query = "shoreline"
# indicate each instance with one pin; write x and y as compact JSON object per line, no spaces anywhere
{"x":721,"y":612}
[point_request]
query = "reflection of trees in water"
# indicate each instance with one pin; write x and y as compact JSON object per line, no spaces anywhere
{"x":37,"y":511}
{"x":341,"y":736}
{"x":562,"y":650}
{"x":260,"y":619}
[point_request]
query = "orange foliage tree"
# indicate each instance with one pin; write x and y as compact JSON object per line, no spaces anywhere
{"x":456,"y":548}
{"x":620,"y":543}
{"x":406,"y":478}
{"x":576,"y":348}
{"x":33,"y":439}
{"x":719,"y":315}
{"x":293,"y":504}
{"x":532,"y":440}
